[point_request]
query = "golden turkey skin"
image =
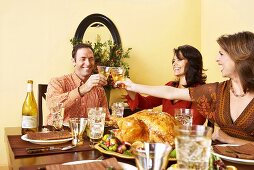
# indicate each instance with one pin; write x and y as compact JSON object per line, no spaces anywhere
{"x":147,"y":126}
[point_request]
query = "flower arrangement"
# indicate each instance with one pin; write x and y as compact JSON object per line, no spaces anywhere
{"x":108,"y":54}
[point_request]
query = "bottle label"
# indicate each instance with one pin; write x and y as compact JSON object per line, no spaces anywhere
{"x":29,"y":87}
{"x":29,"y":121}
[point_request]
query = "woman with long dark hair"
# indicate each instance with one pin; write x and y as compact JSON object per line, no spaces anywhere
{"x":188,"y":68}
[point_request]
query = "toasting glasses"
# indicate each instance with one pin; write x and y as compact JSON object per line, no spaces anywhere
{"x":117,"y":73}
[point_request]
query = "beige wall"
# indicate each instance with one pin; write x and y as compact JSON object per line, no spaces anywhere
{"x":218,"y":18}
{"x":34,"y":40}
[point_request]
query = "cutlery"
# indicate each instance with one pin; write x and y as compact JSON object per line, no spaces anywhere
{"x":50,"y":148}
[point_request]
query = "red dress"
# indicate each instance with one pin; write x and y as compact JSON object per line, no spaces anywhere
{"x":168,"y":106}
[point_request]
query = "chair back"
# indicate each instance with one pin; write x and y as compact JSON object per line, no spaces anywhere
{"x":42,"y":89}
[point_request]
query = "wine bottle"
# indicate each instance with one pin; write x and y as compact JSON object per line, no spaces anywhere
{"x":29,"y":111}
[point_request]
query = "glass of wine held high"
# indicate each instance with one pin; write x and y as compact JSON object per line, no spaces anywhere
{"x":104,"y":70}
{"x":118,"y":74}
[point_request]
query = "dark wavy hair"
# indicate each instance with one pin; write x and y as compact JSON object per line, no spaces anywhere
{"x":79,"y":46}
{"x":194,"y":74}
{"x":240,"y":47}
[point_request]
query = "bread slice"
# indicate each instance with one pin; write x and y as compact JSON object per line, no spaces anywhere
{"x":48,"y":135}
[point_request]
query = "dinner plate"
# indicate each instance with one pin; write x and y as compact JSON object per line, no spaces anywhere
{"x":97,"y":146}
{"x":231,"y":159}
{"x":45,"y":142}
{"x":125,"y":166}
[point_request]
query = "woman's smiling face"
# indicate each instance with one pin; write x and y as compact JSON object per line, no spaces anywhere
{"x":226,"y":64}
{"x":179,"y":65}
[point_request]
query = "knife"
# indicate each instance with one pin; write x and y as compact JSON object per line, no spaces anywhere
{"x":50,"y":148}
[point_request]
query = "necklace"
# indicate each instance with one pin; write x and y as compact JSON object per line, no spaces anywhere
{"x":233,"y":91}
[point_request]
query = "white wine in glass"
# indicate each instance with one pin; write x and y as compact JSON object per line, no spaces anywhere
{"x":118,"y":74}
{"x":104,"y":70}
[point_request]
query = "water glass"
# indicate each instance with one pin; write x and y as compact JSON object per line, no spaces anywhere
{"x":193,"y":146}
{"x":57,"y":116}
{"x":154,"y":156}
{"x":184,"y":116}
{"x":96,"y":122}
{"x":117,"y":110}
{"x":77,"y":126}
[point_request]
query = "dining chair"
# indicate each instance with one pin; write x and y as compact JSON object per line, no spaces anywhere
{"x":42,"y":89}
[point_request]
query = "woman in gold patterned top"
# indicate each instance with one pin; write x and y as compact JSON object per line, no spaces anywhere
{"x":229,"y":104}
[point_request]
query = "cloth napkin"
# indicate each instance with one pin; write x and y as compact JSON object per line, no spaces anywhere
{"x":110,"y":163}
{"x":245,"y":151}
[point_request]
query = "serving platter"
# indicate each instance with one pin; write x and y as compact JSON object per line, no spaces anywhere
{"x":231,"y":159}
{"x":97,"y":146}
{"x":45,"y":142}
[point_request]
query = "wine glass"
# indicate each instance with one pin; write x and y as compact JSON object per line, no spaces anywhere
{"x":118,"y":74}
{"x":104,"y":70}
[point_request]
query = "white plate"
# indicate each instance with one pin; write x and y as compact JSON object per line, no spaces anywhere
{"x":234,"y":160}
{"x":125,"y":166}
{"x":45,"y":142}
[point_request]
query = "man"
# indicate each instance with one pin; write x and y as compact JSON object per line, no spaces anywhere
{"x":79,"y":90}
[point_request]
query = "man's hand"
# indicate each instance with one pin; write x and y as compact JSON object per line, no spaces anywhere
{"x":93,"y":80}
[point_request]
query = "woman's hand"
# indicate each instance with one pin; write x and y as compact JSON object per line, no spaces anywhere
{"x":129,"y":85}
{"x":219,"y":135}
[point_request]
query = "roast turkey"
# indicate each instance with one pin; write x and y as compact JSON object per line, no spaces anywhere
{"x":147,"y":126}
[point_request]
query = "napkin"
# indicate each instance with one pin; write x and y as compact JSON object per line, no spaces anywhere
{"x":51,"y":135}
{"x":245,"y":151}
{"x":98,"y":165}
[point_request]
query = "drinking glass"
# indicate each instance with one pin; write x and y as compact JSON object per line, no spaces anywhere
{"x":57,"y":117}
{"x":193,"y":146}
{"x":184,"y":116}
{"x":96,"y":122}
{"x":117,"y":110}
{"x":154,"y":156}
{"x":77,"y":126}
{"x":118,"y":74}
{"x":104,"y":70}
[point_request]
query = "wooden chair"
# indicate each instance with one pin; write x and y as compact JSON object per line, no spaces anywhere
{"x":42,"y":89}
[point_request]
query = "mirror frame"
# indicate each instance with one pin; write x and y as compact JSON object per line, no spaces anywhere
{"x":86,"y":22}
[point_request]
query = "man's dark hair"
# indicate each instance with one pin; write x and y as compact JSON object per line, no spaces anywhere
{"x":79,"y":46}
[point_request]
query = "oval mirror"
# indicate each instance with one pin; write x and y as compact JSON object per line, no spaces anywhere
{"x":95,"y":29}
{"x":97,"y":24}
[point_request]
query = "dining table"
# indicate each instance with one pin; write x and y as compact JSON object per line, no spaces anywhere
{"x":19,"y":159}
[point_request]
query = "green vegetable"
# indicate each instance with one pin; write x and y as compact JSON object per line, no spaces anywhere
{"x":104,"y":147}
{"x":106,"y":137}
{"x":127,"y":152}
{"x":172,"y":154}
{"x":113,"y":147}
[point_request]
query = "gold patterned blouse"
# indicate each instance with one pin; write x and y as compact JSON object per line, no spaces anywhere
{"x":213,"y":101}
